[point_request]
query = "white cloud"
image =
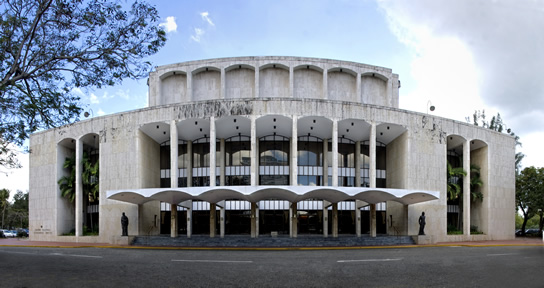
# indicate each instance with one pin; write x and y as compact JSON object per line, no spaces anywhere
{"x":106,"y":95}
{"x":16,"y":179}
{"x":205,"y":17}
{"x":472,"y":55}
{"x":78,"y":91}
{"x":125,"y":94}
{"x":198,"y":33}
{"x":94,"y":99}
{"x":170,"y":24}
{"x":100,"y":112}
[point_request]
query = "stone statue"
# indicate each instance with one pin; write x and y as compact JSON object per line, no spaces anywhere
{"x":422,"y":224}
{"x":124,"y":224}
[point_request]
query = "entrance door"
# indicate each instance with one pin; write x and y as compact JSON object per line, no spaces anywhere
{"x":310,"y":221}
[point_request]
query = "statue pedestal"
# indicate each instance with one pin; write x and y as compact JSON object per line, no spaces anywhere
{"x":423,"y":239}
{"x":122,"y":240}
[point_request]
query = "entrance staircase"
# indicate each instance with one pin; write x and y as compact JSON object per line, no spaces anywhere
{"x":268,"y":241}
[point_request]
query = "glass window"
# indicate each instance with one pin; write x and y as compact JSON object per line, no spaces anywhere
{"x":238,"y":151}
{"x":309,"y":151}
{"x":274,"y":151}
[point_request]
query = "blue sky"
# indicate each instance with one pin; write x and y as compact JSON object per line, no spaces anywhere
{"x":461,"y":55}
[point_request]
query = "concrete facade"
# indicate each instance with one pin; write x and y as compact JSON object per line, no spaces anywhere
{"x":342,"y":104}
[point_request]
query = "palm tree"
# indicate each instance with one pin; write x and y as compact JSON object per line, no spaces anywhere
{"x":89,"y":177}
{"x":67,"y":184}
{"x":475,"y":183}
{"x":454,"y":177}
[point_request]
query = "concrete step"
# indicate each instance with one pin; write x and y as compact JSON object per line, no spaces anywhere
{"x":267,"y":241}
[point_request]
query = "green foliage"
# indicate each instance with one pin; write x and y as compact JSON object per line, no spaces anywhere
{"x":48,"y":48}
{"x":454,"y":178}
{"x":89,"y":177}
{"x":453,"y":230}
{"x":18,"y":212}
{"x":475,"y":183}
{"x":4,"y":203}
{"x":496,"y":124}
{"x":530,"y":193}
{"x":533,"y":222}
{"x":67,"y":184}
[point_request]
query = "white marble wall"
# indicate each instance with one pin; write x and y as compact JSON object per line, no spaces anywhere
{"x":128,"y":159}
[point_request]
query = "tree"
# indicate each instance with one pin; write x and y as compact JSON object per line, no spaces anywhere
{"x":475,"y":183}
{"x":4,"y":203}
{"x":67,"y":184}
{"x":89,"y":179}
{"x":454,"y":178}
{"x":48,"y":48}
{"x":496,"y":124}
{"x":19,"y":209}
{"x":530,"y":194}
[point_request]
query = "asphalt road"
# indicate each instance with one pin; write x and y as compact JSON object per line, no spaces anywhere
{"x":507,"y":266}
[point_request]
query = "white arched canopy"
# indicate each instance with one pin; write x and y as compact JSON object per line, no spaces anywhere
{"x":257,"y":193}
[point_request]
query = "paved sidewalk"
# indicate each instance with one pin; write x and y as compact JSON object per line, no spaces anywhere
{"x":15,"y":242}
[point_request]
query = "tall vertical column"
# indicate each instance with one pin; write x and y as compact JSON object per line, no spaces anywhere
{"x":291,"y":82}
{"x":358,"y":204}
{"x":466,"y":188}
{"x":189,"y":184}
{"x":212,"y":219}
{"x":174,"y":174}
{"x":173,"y":220}
{"x":222,"y":162}
{"x":189,"y":218}
{"x":389,"y":93}
{"x":254,"y":152}
{"x":335,"y":220}
{"x":372,"y":156}
{"x":372,"y":220}
{"x":253,"y":220}
{"x":189,"y":85}
{"x":213,"y":159}
{"x":190,"y":163}
{"x":257,"y":220}
{"x":223,"y":83}
{"x":335,"y":153}
{"x":257,"y":69}
{"x":326,"y":205}
{"x":293,"y":219}
{"x":294,"y":155}
{"x":358,"y":88}
{"x":222,"y":220}
{"x":79,"y":188}
{"x":325,"y":84}
{"x":325,"y":162}
{"x":358,"y":176}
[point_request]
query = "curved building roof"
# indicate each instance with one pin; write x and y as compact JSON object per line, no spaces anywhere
{"x":258,"y":193}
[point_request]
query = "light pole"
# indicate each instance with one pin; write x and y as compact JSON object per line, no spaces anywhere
{"x":430,"y":106}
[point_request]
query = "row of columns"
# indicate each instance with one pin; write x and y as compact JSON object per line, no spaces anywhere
{"x":325,"y":89}
{"x":254,"y":176}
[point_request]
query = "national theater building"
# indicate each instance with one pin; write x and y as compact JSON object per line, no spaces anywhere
{"x":262,"y":146}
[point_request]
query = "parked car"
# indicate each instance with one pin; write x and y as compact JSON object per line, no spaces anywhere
{"x":8,"y":233}
{"x":519,"y":232}
{"x":22,"y":232}
{"x":532,"y":232}
{"x":2,"y":234}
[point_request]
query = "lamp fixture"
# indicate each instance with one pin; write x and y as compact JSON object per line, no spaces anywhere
{"x":430,"y":106}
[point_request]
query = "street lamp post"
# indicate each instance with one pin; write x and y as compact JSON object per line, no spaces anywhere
{"x":430,"y":106}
